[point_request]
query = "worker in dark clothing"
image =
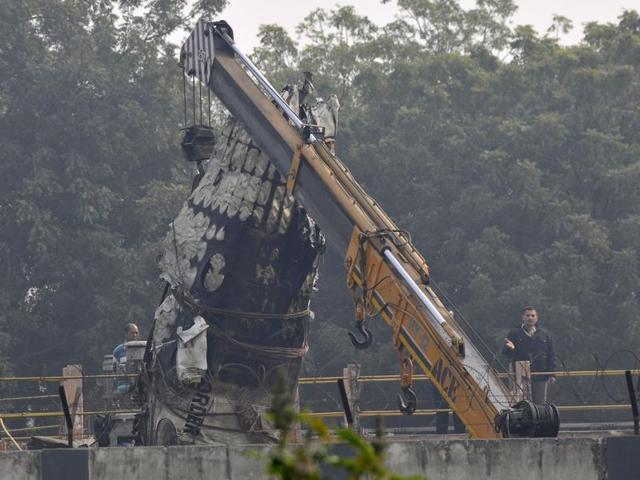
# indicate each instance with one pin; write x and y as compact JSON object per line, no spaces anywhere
{"x":528,"y":342}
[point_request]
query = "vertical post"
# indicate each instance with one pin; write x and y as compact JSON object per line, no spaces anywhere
{"x":346,"y":406}
{"x":350,"y":376}
{"x":73,"y":391}
{"x":522,"y":385}
{"x":67,"y":415}
{"x":108,"y":385}
{"x":633,"y":401}
{"x":296,"y":431}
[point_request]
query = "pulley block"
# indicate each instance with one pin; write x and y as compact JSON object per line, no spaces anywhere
{"x":198,"y":143}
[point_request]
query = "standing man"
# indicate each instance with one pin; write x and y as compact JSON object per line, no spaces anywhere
{"x":131,"y":333}
{"x":533,"y":344}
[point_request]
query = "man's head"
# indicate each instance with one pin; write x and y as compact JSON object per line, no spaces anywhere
{"x":131,"y":332}
{"x":529,"y":316}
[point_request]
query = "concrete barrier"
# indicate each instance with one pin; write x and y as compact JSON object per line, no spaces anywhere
{"x":517,"y":459}
{"x":20,"y":466}
{"x":514,"y":459}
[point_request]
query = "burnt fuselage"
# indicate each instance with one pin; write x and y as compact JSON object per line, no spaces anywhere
{"x":242,"y":253}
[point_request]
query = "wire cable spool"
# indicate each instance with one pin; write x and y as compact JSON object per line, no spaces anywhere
{"x":526,"y":419}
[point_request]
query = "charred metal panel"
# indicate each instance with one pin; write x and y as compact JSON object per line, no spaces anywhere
{"x":313,"y":193}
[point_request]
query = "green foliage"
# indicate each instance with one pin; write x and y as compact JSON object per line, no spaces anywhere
{"x":311,"y":459}
{"x":155,"y":19}
{"x":90,"y":172}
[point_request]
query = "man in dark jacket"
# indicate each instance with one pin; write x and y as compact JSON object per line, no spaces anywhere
{"x":528,"y":342}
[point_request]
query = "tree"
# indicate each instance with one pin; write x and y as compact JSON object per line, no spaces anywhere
{"x":90,"y":107}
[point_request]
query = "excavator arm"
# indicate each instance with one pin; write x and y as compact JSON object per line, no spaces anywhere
{"x":386,"y":273}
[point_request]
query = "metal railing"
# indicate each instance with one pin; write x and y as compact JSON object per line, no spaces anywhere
{"x":303,"y":381}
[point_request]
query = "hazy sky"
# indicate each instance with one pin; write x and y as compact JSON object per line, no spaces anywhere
{"x":245,"y":16}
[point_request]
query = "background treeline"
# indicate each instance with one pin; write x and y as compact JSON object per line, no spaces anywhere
{"x":513,"y":161}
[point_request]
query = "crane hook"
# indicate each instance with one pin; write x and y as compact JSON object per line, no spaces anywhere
{"x":368,"y":338}
{"x":407,"y":401}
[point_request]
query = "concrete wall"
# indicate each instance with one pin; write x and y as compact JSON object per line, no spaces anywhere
{"x":516,"y":459}
{"x":20,"y":466}
{"x":537,"y":459}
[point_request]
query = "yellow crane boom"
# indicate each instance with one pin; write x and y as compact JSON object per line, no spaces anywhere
{"x":386,"y":273}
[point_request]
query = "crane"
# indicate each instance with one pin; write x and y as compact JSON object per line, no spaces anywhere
{"x":387,"y":275}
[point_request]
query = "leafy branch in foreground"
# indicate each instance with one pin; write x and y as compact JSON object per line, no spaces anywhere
{"x":313,"y":458}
